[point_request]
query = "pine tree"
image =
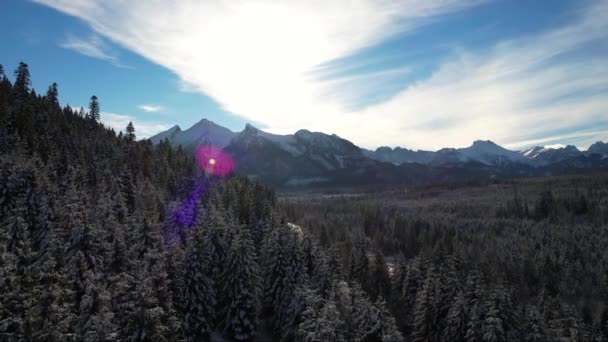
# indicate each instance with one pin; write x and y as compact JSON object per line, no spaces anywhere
{"x":390,"y":332}
{"x":456,"y":325}
{"x":474,"y":298}
{"x":359,"y":265}
{"x":320,"y":320}
{"x":423,"y":327}
{"x":242,"y":287}
{"x":18,"y":256}
{"x":130,"y":135}
{"x":493,"y":330}
{"x":198,"y":299}
{"x":52,"y":95}
{"x":95,"y":316}
{"x":275,"y":268}
{"x":22,"y":84}
{"x":412,"y":282}
{"x":380,"y":282}
{"x":94,"y":111}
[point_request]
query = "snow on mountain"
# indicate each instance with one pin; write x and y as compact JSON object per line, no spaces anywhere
{"x":203,"y":132}
{"x":485,"y":152}
{"x":398,"y":155}
{"x":543,"y":155}
{"x":285,"y":142}
{"x":533,"y":152}
{"x":306,"y":158}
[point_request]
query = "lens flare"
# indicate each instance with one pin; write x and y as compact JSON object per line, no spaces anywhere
{"x":214,"y":161}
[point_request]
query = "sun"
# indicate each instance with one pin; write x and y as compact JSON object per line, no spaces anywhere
{"x":212,"y":161}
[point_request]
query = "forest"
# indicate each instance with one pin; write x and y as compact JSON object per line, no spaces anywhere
{"x":107,"y":238}
{"x":518,"y":260}
{"x":104,"y":237}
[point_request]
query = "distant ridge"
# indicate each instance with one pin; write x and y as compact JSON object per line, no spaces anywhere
{"x":308,"y":158}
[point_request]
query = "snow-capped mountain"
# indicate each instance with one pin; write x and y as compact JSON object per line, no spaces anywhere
{"x":540,"y":155}
{"x":485,"y":152}
{"x":398,"y":155}
{"x":203,"y":132}
{"x":308,"y":158}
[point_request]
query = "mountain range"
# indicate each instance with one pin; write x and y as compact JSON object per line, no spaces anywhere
{"x":314,"y":159}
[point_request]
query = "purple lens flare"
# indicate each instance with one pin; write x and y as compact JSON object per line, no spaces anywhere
{"x":214,"y":161}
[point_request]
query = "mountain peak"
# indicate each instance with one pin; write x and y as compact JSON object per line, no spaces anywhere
{"x":205,"y":123}
{"x":250,"y":128}
{"x":598,"y":147}
{"x":484,"y":143}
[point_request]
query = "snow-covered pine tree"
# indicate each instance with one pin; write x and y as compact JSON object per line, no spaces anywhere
{"x":320,"y":320}
{"x":242,"y":283}
{"x":295,"y":275}
{"x":379,"y":278}
{"x":456,"y":323}
{"x":198,"y":295}
{"x":493,"y":330}
{"x":94,"y":314}
{"x":423,"y":325}
{"x":535,"y":325}
{"x":216,"y":246}
{"x":390,"y":331}
{"x":15,"y":235}
{"x":412,"y":283}
{"x":359,"y":265}
{"x":475,"y":303}
{"x":274,"y":263}
{"x":365,"y":324}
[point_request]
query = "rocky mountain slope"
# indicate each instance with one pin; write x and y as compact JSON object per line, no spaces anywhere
{"x":314,"y":159}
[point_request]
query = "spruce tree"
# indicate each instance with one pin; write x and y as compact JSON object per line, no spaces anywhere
{"x":198,"y":298}
{"x":493,"y":330}
{"x":423,"y":327}
{"x":242,"y":287}
{"x":52,"y":95}
{"x":320,"y":320}
{"x":22,"y":84}
{"x":94,"y":110}
{"x":130,"y":135}
{"x":456,"y":325}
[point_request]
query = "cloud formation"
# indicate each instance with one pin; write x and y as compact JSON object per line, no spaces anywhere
{"x":92,"y":46}
{"x":258,"y":61}
{"x":150,"y":108}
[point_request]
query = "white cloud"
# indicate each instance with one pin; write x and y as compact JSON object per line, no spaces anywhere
{"x":143,"y":129}
{"x":258,"y":60}
{"x":150,"y":108}
{"x":92,"y":46}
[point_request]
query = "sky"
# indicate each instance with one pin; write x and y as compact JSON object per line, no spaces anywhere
{"x":416,"y":74}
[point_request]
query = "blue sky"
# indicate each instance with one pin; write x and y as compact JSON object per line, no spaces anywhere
{"x":421,"y":75}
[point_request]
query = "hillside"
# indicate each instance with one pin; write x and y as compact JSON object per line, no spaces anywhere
{"x":106,"y":238}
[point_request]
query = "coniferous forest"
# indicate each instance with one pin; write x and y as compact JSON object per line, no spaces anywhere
{"x":104,"y":237}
